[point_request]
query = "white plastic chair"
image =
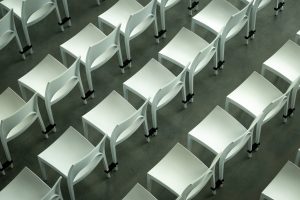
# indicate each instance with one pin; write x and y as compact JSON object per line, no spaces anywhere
{"x":134,"y":20}
{"x":94,"y":48}
{"x":52,"y":81}
{"x":286,"y":183}
{"x":73,"y":157}
{"x":257,"y":6}
{"x":187,"y":47}
{"x":221,"y":17}
{"x":156,"y":83}
{"x":8,"y":32}
{"x":30,"y":12}
{"x":255,"y":94}
{"x":138,"y":192}
{"x":285,"y":64}
{"x":188,"y":175}
{"x":28,"y":186}
{"x":219,"y":129}
{"x":116,"y":118}
{"x":15,"y":117}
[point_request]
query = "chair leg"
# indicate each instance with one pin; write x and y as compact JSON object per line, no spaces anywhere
{"x":39,"y":117}
{"x":127,"y":49}
{"x":89,"y":80}
{"x":120,"y":58}
{"x":19,"y":45}
{"x":2,"y":169}
{"x":191,"y":85}
{"x":221,"y":171}
{"x":50,"y":115}
{"x":98,"y":2}
{"x":85,"y":129}
{"x":163,"y":20}
{"x":25,"y":29}
{"x":146,"y":128}
{"x":105,"y":165}
{"x":23,"y":93}
{"x":100,"y":24}
{"x":58,"y":17}
{"x":154,"y":118}
{"x":7,"y":152}
{"x":213,"y":183}
{"x":189,"y":142}
{"x":43,"y":170}
{"x":63,"y":56}
{"x":114,"y":155}
{"x":81,"y":90}
{"x":156,"y":29}
{"x":67,"y":13}
{"x":71,"y":190}
{"x":227,"y":103}
{"x":190,"y":6}
{"x":149,"y":183}
{"x":125,"y":92}
{"x":257,"y":138}
{"x":193,"y":24}
{"x":184,"y":95}
{"x":250,"y":147}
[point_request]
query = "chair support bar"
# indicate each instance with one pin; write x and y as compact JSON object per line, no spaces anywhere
{"x":220,"y":64}
{"x":160,"y":33}
{"x":49,"y":128}
{"x":6,"y":165}
{"x":194,"y":4}
{"x":88,"y":94}
{"x":280,"y":5}
{"x":251,"y":33}
{"x":25,"y":49}
{"x":125,"y":63}
{"x":111,"y":167}
{"x":290,"y":112}
{"x":188,"y":97}
{"x":64,"y":20}
{"x":151,"y":132}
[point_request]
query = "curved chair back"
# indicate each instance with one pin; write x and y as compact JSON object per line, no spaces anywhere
{"x":55,"y":192}
{"x":103,"y":50}
{"x":82,"y":168}
{"x":21,"y":119}
{"x":7,"y":26}
{"x":203,"y":57}
{"x":130,"y":125}
{"x":63,"y":84}
{"x":194,"y":188}
{"x":236,"y":22}
{"x":36,"y":10}
{"x":170,"y":90}
{"x":141,"y":20}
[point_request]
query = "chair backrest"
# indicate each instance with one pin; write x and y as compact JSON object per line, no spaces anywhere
{"x":60,"y":86}
{"x":129,"y":125}
{"x":194,"y":188}
{"x":141,"y":20}
{"x":236,"y":22}
{"x":21,"y":119}
{"x":7,"y":26}
{"x":30,"y":8}
{"x":278,"y":103}
{"x":82,"y":168}
{"x":297,"y":159}
{"x":203,"y":57}
{"x":170,"y":90}
{"x":103,"y":49}
{"x":55,"y":192}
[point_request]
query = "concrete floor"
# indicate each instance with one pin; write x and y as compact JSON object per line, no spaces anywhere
{"x":244,"y":178}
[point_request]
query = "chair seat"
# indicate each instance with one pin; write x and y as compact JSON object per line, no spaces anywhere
{"x":285,"y":62}
{"x":178,"y":169}
{"x":113,"y":110}
{"x":15,"y":5}
{"x":215,"y":15}
{"x":47,"y":70}
{"x":183,"y":48}
{"x":26,"y":186}
{"x":285,"y":185}
{"x":148,"y":80}
{"x":254,"y":94}
{"x":79,"y":44}
{"x":120,"y":12}
{"x":10,"y":102}
{"x":138,"y":192}
{"x":217,"y":130}
{"x":67,"y":150}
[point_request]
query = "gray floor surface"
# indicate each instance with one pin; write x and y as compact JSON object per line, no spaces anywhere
{"x":244,"y":178}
